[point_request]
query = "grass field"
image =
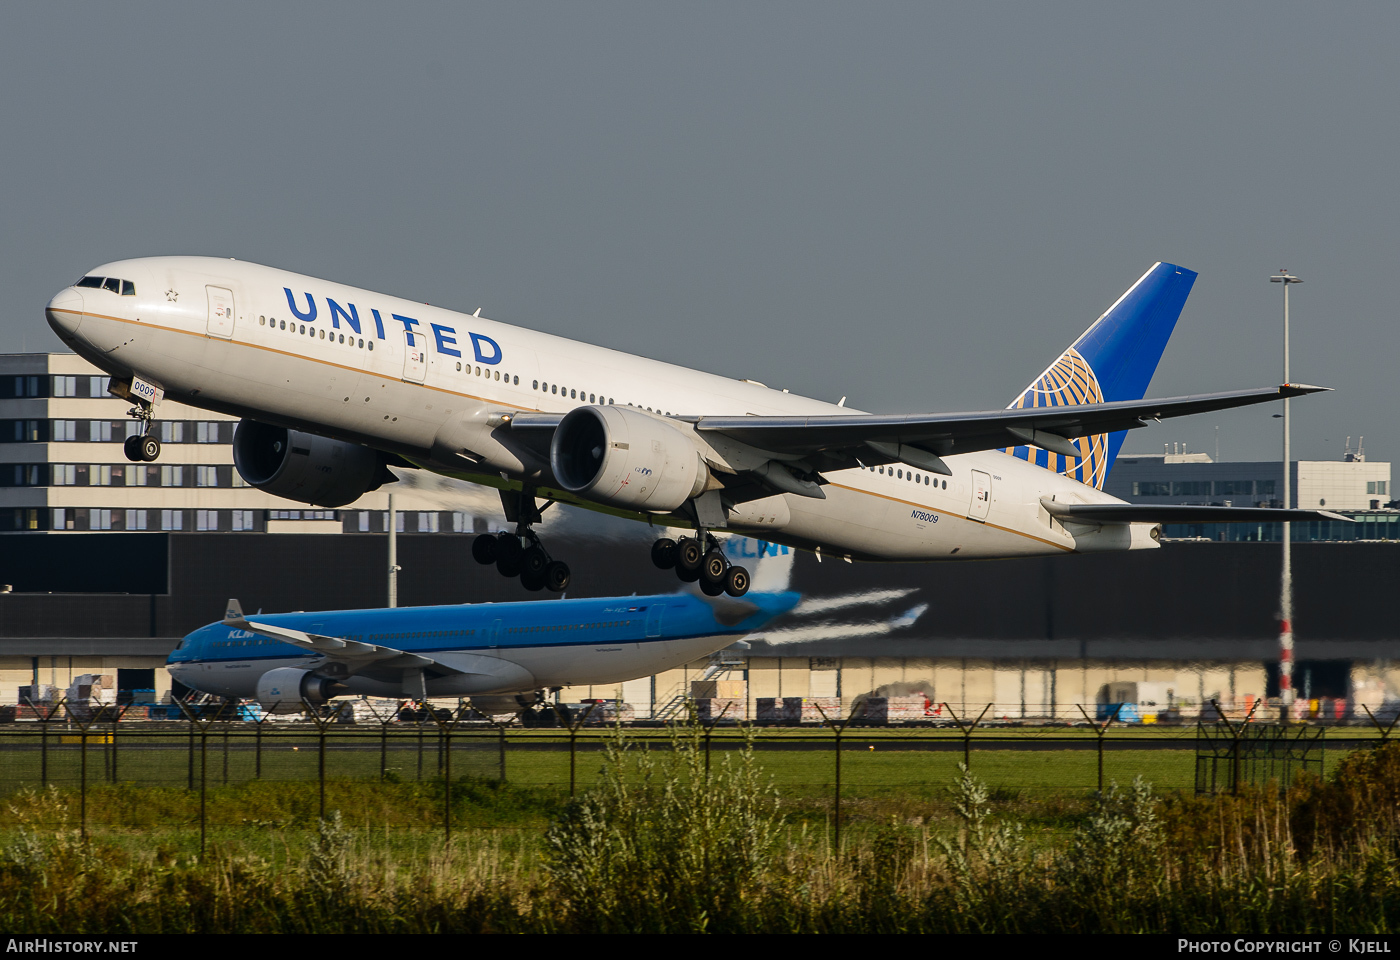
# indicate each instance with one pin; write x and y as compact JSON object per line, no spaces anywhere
{"x":655,"y":842}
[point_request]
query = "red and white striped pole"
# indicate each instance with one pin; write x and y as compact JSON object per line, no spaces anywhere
{"x":1285,"y":631}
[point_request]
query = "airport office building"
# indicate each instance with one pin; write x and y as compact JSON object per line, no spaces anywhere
{"x":109,"y":563}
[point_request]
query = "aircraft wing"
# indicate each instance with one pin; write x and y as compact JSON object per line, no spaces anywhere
{"x":1179,"y":513}
{"x":921,"y":439}
{"x":354,"y":654}
{"x":952,"y":433}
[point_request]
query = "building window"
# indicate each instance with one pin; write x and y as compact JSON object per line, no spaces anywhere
{"x":64,"y":387}
{"x":1151,"y":488}
{"x":243,"y":520}
{"x":65,"y":431}
{"x":64,"y":475}
{"x":172,"y":431}
{"x":172,"y":476}
{"x":461,"y":522}
{"x":100,"y":475}
{"x":427,"y":523}
{"x":136,"y":519}
{"x":172,"y":520}
{"x":206,"y":519}
{"x":1191,"y":488}
{"x":1376,"y":486}
{"x":61,"y":520}
{"x":238,"y":480}
{"x":205,"y":432}
{"x":100,"y":431}
{"x":364,"y":521}
{"x":97,"y":386}
{"x":1234,"y":487}
{"x":135,"y":476}
{"x":99,"y":519}
{"x":206,"y":476}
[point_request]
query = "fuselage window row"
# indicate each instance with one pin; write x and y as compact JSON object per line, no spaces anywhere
{"x":275,"y":324}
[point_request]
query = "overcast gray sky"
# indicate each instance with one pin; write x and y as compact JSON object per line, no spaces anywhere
{"x":915,"y":205}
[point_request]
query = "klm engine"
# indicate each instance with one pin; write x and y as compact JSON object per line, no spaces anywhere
{"x":285,"y":689}
{"x":305,"y":467}
{"x":625,"y":458}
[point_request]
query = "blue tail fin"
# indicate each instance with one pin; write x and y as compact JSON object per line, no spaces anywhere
{"x":1113,"y":360}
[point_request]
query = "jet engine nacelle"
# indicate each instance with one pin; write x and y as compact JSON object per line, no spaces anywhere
{"x":303,"y":466}
{"x":625,"y":458}
{"x":495,"y":706}
{"x":283,"y":690}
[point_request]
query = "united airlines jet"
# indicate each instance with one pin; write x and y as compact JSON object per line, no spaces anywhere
{"x":334,"y":384}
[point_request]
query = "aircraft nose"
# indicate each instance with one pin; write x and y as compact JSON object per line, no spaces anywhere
{"x":65,"y":312}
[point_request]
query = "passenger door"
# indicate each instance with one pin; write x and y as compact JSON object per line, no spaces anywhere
{"x":220,"y":312}
{"x":981,"y":496}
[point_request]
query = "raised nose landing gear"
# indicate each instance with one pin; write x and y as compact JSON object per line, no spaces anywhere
{"x":522,"y":554}
{"x":700,"y":559}
{"x":142,"y":447}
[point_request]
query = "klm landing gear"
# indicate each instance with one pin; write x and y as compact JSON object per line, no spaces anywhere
{"x":142,"y":448}
{"x":699,"y":559}
{"x":521,"y":554}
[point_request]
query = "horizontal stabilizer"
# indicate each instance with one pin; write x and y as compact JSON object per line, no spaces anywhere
{"x":1180,"y":513}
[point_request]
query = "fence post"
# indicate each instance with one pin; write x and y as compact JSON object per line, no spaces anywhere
{"x":573,"y":740}
{"x":709,"y":729}
{"x":839,"y":729}
{"x":967,"y":732}
{"x":321,"y":724}
{"x":1099,"y":731}
{"x":1236,"y":732}
{"x":1384,"y":731}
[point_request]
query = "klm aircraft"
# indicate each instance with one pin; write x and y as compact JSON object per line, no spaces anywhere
{"x":336,"y":383}
{"x":504,"y":656}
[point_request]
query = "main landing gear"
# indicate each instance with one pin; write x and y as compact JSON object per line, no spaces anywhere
{"x":699,"y":559}
{"x":521,"y":554}
{"x":141,"y":448}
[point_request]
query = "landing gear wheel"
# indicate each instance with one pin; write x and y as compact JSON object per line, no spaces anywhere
{"x":509,"y":548}
{"x":132,"y":448}
{"x":534,"y":562}
{"x":714,"y":566}
{"x":508,"y":566}
{"x":689,"y":554}
{"x":687,"y":576}
{"x":663,"y":554}
{"x":484,"y":548}
{"x":736,"y":582}
{"x":531,"y":581}
{"x":557,"y":576}
{"x":711,"y":588}
{"x":150,"y":448}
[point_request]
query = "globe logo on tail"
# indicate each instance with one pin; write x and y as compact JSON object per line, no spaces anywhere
{"x":1069,"y":382}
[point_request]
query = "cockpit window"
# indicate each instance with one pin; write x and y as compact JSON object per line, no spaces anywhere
{"x":124,"y":287}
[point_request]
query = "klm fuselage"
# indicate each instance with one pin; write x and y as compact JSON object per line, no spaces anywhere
{"x":487,"y":649}
{"x":426,"y":384}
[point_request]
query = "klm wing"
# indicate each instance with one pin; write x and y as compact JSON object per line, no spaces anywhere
{"x":357,"y":657}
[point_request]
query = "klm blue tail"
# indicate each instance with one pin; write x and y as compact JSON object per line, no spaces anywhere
{"x":1113,"y":360}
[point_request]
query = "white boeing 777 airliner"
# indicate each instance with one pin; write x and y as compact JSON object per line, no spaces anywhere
{"x":334,"y":383}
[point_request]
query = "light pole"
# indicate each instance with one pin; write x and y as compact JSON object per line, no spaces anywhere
{"x":394,"y":567}
{"x":1285,"y":634}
